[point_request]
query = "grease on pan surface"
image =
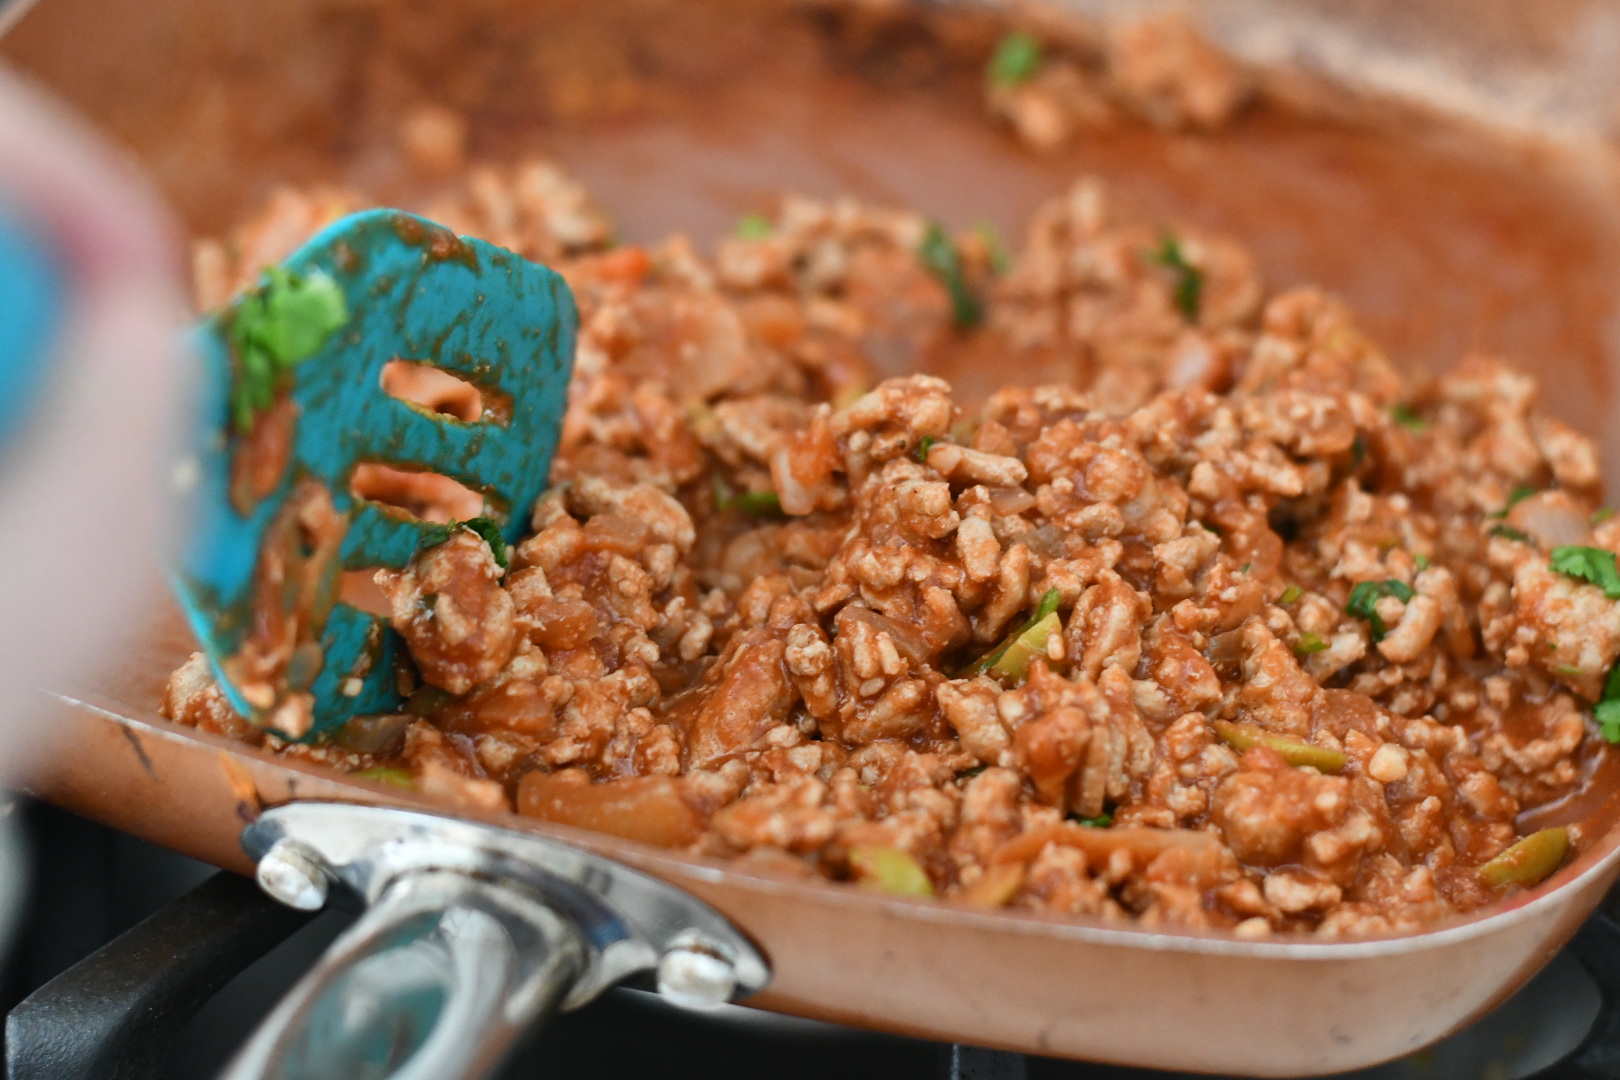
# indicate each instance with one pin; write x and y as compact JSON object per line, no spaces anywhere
{"x":1237,"y":627}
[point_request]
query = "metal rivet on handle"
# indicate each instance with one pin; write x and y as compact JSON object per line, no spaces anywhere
{"x":695,"y":976}
{"x":290,"y":874}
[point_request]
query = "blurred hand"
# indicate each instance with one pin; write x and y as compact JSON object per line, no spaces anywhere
{"x":91,"y":291}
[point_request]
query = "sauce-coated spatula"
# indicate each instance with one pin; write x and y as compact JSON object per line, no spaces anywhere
{"x":292,"y":404}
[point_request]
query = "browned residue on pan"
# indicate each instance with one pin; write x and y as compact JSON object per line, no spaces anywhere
{"x":248,"y":803}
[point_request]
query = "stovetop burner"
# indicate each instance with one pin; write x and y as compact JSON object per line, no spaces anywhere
{"x":90,"y":996}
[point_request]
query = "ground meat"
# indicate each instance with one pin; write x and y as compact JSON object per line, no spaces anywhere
{"x":762,"y":613}
{"x":450,"y":608}
{"x":1160,"y":70}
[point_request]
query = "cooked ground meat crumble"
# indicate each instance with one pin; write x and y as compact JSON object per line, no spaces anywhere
{"x":1306,"y":662}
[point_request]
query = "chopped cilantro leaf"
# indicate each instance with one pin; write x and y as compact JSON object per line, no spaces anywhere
{"x":254,"y":389}
{"x":923,"y":446}
{"x":1364,"y":599}
{"x":1000,"y":260}
{"x":1408,"y":417}
{"x":1421,"y":561}
{"x":755,"y":227}
{"x":1589,"y":564}
{"x":968,"y":774}
{"x":490,"y":530}
{"x":1358,"y":451}
{"x":1101,"y":821}
{"x":1508,"y":532}
{"x":1602,"y":514}
{"x":291,"y":315}
{"x":1569,"y":669}
{"x":939,"y":255}
{"x":1246,"y":567}
{"x":1016,"y":59}
{"x":486,"y":527}
{"x":753,"y":503}
{"x":1309,"y":643}
{"x":1515,"y":497}
{"x":1607,"y":710}
{"x":1189,"y":287}
{"x":757,"y":503}
{"x":281,"y":323}
{"x":1607,"y":714}
{"x":1290,"y":594}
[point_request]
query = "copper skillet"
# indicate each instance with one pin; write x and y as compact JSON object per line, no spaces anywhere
{"x":1027,"y":982}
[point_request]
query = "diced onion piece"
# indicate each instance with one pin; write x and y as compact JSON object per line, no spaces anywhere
{"x":1241,"y":737}
{"x":645,"y":808}
{"x":376,"y":734}
{"x":1529,"y":861}
{"x":1198,"y":856}
{"x":997,"y":886}
{"x":889,"y":870}
{"x":910,"y":643}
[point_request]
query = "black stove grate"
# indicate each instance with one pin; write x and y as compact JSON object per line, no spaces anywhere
{"x":129,"y":1010}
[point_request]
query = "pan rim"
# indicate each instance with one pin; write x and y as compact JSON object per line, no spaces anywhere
{"x":1598,"y":861}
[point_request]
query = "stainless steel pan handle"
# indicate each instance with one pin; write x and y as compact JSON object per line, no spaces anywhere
{"x":436,"y":980}
{"x":471,"y":936}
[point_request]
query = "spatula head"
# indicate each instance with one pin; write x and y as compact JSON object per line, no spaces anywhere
{"x":292,"y":403}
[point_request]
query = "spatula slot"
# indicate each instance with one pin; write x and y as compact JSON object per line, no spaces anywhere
{"x":423,"y":495}
{"x":359,"y":589}
{"x":444,"y":393}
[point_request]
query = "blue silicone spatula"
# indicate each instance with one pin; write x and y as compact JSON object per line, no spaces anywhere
{"x":292,"y":403}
